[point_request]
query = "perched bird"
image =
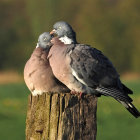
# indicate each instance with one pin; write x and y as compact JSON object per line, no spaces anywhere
{"x":38,"y":74}
{"x":84,"y":69}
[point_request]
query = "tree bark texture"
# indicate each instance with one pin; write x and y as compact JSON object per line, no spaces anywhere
{"x":61,"y":117}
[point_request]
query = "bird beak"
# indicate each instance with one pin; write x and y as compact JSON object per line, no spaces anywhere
{"x":52,"y":32}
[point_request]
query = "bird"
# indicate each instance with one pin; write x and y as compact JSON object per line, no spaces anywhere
{"x":84,"y":69}
{"x":38,"y":74}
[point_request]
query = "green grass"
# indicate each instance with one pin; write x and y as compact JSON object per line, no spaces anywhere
{"x":114,"y":121}
{"x":13,"y":106}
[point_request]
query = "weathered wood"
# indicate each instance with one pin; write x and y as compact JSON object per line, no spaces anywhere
{"x":61,"y":117}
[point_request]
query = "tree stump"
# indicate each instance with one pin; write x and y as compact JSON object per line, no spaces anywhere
{"x":61,"y":117}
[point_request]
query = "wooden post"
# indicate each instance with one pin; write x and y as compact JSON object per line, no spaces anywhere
{"x":61,"y":117}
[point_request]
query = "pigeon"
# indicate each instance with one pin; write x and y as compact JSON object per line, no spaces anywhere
{"x":84,"y":69}
{"x":38,"y":74}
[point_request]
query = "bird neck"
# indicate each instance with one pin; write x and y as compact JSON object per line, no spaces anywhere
{"x":37,"y":45}
{"x":66,"y":40}
{"x":43,"y":47}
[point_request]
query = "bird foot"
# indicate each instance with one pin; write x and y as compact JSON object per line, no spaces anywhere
{"x":73,"y":92}
{"x":80,"y":95}
{"x":77,"y":93}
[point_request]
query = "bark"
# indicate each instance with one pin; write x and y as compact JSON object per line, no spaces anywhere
{"x":61,"y":117}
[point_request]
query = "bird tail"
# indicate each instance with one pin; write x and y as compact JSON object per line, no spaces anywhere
{"x":131,"y":108}
{"x":122,"y":98}
{"x":127,"y":90}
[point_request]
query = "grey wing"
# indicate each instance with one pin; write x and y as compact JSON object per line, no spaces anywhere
{"x":93,"y":67}
{"x":96,"y":71}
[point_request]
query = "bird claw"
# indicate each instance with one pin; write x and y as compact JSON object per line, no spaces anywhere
{"x":77,"y":93}
{"x":73,"y":92}
{"x":81,"y":94}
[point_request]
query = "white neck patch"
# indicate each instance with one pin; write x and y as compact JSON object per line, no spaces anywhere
{"x":37,"y":45}
{"x":66,"y":40}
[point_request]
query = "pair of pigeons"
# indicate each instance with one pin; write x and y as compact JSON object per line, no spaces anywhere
{"x":60,"y":64}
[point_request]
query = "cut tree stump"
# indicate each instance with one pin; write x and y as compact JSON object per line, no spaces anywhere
{"x":61,"y":117}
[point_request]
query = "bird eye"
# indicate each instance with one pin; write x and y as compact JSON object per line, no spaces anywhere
{"x":45,"y":39}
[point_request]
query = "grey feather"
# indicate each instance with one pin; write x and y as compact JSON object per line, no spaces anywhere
{"x":90,"y":69}
{"x":44,"y":40}
{"x":97,"y":72}
{"x":131,"y":108}
{"x":93,"y":67}
{"x":115,"y":93}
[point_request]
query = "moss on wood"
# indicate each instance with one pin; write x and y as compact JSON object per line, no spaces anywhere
{"x":61,"y":117}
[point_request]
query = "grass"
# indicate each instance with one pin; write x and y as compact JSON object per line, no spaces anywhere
{"x":13,"y":106}
{"x":114,"y":122}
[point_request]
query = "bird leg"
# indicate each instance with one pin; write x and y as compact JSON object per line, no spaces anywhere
{"x":81,"y":93}
{"x":73,"y":92}
{"x":77,"y":93}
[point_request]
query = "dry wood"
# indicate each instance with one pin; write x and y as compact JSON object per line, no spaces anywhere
{"x":61,"y":117}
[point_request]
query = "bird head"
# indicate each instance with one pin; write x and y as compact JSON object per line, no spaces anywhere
{"x":64,"y":31}
{"x":44,"y":40}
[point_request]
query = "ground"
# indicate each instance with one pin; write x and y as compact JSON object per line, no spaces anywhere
{"x":114,"y":121}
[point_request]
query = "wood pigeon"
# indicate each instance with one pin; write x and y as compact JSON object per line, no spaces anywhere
{"x":84,"y":69}
{"x":38,"y":74}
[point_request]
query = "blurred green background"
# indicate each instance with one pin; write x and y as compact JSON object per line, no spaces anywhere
{"x":113,"y":26}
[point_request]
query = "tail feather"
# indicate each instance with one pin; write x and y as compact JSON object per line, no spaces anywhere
{"x":131,"y":108}
{"x":121,"y":97}
{"x":115,"y":93}
{"x":127,"y":90}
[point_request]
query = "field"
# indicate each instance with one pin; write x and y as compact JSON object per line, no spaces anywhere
{"x":114,"y":122}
